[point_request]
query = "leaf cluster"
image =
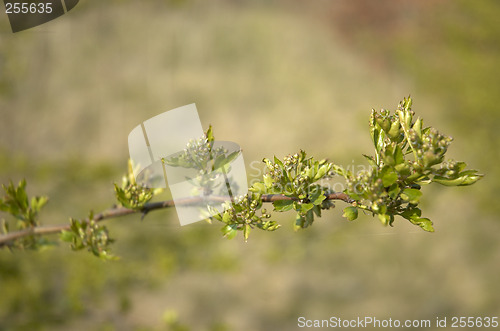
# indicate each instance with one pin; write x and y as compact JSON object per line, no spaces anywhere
{"x":296,"y":182}
{"x":132,"y":195}
{"x":297,"y":177}
{"x":25,"y":211}
{"x":407,"y":156}
{"x":89,"y":234}
{"x":243,"y":214}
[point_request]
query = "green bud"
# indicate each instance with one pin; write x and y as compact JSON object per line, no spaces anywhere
{"x":403,"y":169}
{"x":417,"y":127}
{"x":394,"y":131}
{"x":384,"y":123}
{"x":431,"y":159}
{"x":408,"y":118}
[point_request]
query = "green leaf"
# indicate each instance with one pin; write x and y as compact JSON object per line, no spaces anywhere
{"x":229,"y":231}
{"x":278,"y":162}
{"x":424,"y":223}
{"x":411,"y":213}
{"x":384,"y":218}
{"x":21,"y":196}
{"x":351,"y":213}
{"x":37,"y":203}
{"x":317,"y":210}
{"x":460,"y":166}
{"x":222,"y":160}
{"x":268,"y":181}
{"x":417,"y":126}
{"x":395,"y":130}
{"x":210,"y":135}
{"x":258,"y":188}
{"x":319,"y":200}
{"x":379,"y":137}
{"x":388,"y":155}
{"x":303,"y":221}
{"x":302,"y":155}
{"x":283,"y":205}
{"x":5,"y":227}
{"x":398,"y":155}
{"x":308,"y":173}
{"x":309,"y":219}
{"x":411,"y":195}
{"x":246,"y":231}
{"x":371,"y":160}
{"x":389,"y":177}
{"x":417,"y":176}
{"x":3,"y":206}
{"x":341,"y":171}
{"x":403,"y":169}
{"x":322,"y":171}
{"x":215,"y":213}
{"x":394,"y":191}
{"x":384,"y":123}
{"x":67,"y":236}
{"x":465,"y":178}
{"x":226,"y":217}
{"x":299,"y":222}
{"x":406,"y":104}
{"x":305,"y":207}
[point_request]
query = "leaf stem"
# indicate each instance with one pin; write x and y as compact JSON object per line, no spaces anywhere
{"x":407,"y":133}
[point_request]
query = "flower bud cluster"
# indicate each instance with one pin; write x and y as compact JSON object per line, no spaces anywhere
{"x":431,"y":148}
{"x":199,"y":148}
{"x":132,"y":195}
{"x":244,"y":209}
{"x":199,"y":154}
{"x":291,"y":161}
{"x":275,"y":171}
{"x":367,"y":185}
{"x":242,"y":214}
{"x":450,"y":169}
{"x":88,"y":234}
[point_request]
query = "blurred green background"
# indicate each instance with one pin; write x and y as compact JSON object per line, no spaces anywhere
{"x":274,"y":76}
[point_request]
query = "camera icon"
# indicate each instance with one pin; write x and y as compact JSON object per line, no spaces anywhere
{"x":171,"y":150}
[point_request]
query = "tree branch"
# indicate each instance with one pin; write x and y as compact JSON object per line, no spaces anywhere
{"x":6,"y":239}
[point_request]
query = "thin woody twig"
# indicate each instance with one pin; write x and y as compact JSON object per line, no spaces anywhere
{"x":115,"y":212}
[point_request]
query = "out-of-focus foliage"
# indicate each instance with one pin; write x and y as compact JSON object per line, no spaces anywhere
{"x":25,"y":213}
{"x":90,"y":235}
{"x":16,"y":203}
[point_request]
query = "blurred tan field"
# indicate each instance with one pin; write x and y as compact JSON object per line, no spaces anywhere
{"x":275,"y":77}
